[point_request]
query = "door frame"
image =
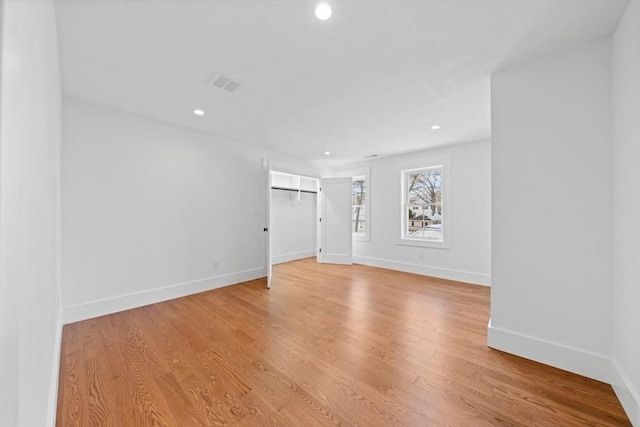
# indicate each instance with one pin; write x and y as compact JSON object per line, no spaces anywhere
{"x":289,"y":168}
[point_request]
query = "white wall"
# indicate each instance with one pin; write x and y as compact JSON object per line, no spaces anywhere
{"x":293,"y":225}
{"x":551,"y":184}
{"x":469,"y":258}
{"x":147,"y":207}
{"x":30,"y":322}
{"x":626,"y":210}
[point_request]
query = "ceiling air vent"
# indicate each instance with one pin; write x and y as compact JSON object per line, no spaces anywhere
{"x":223,"y":82}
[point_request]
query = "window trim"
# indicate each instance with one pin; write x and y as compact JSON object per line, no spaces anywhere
{"x":367,"y":222}
{"x":367,"y":203}
{"x":443,"y":162}
{"x":356,"y":172}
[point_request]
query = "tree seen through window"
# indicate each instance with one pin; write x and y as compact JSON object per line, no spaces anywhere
{"x":424,"y":204}
{"x":358,"y":212}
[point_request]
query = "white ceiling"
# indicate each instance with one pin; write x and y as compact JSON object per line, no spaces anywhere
{"x":370,"y":80}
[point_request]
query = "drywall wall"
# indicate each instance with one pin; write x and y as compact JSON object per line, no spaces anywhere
{"x":293,"y":225}
{"x":469,"y":257}
{"x":626,"y":210}
{"x":30,"y":324}
{"x":148,"y":209}
{"x":551,"y":223}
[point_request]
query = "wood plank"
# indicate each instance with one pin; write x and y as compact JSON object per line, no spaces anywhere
{"x":326,"y":345}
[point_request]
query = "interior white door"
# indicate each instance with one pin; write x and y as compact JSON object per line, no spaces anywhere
{"x":335,"y":221}
{"x":267,"y":229}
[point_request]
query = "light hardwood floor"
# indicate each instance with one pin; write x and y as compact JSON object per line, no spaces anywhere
{"x":327,"y":345}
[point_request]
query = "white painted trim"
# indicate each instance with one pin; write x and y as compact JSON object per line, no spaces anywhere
{"x":421,"y":163}
{"x":55,"y":373}
{"x":626,"y":393}
{"x":570,"y":359}
{"x":279,"y":259}
{"x":426,"y":270}
{"x":366,"y":172}
{"x":553,"y":354}
{"x":102,"y":307}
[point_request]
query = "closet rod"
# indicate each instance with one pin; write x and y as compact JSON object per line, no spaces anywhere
{"x":293,"y":189}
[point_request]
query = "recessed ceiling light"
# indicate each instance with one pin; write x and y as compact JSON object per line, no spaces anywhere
{"x":327,"y":153}
{"x":435,"y":127}
{"x":323,"y":11}
{"x":198,"y":112}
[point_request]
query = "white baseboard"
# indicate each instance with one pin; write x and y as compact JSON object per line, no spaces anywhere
{"x":55,"y":373}
{"x":626,"y":392}
{"x":557,"y":355}
{"x":279,"y":259}
{"x":102,"y":307}
{"x":425,"y":270}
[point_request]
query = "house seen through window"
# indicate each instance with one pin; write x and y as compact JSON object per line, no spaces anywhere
{"x":423,"y":204}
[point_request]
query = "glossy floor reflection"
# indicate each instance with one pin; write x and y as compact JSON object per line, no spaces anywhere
{"x":327,"y":344}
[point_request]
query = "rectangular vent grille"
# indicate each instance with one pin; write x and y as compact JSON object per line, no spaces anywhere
{"x":224,"y":82}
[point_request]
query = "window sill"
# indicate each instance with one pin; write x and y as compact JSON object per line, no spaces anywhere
{"x":424,"y":243}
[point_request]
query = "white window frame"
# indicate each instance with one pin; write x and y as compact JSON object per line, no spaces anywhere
{"x":406,"y":167}
{"x":363,"y":235}
{"x":358,"y":172}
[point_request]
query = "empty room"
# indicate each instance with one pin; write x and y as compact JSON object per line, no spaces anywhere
{"x":313,"y":213}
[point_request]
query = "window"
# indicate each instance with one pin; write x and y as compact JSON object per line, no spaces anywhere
{"x":423,"y":201}
{"x":360,"y":202}
{"x":359,"y":206}
{"x":425,"y":205}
